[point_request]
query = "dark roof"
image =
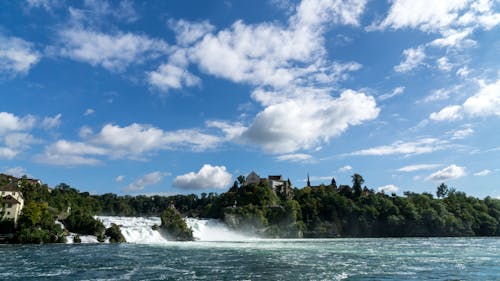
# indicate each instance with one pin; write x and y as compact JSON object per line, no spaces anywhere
{"x":10,"y":199}
{"x":10,"y":187}
{"x":276,"y":178}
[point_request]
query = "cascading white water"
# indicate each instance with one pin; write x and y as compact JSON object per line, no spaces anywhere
{"x":213,"y":230}
{"x":139,"y":229}
{"x":136,"y":229}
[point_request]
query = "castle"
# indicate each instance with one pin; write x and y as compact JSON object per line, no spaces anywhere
{"x":277,"y":183}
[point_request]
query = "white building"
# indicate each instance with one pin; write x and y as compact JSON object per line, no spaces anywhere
{"x":12,"y":202}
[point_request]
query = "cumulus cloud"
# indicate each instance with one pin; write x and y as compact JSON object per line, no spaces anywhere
{"x":288,"y":124}
{"x":9,"y":122}
{"x":145,"y":181}
{"x":451,"y":172}
{"x":444,"y":64}
{"x":421,"y":146}
{"x":17,"y":56}
{"x":395,"y":92}
{"x":413,"y":58}
{"x":14,"y":136}
{"x":484,"y":103}
{"x":454,"y":21}
{"x":443,"y":15}
{"x":295,"y":157}
{"x":346,"y":168}
{"x":115,"y":52}
{"x":120,"y":178}
{"x":207,"y":177}
{"x":452,"y":112}
{"x":136,"y":142}
{"x":418,"y":167}
{"x":390,"y":188}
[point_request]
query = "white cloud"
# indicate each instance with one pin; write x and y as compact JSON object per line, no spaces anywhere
{"x":390,"y":188}
{"x":187,"y":33}
{"x":120,"y":178}
{"x":206,"y":178}
{"x":16,"y":171}
{"x":296,"y":157}
{"x":482,"y":173}
{"x":484,"y":103}
{"x":67,"y":153}
{"x":418,"y":167}
{"x":136,"y":142}
{"x":115,"y":52}
{"x":451,"y":172}
{"x":421,"y":146}
{"x":305,"y":120}
{"x":170,"y":76}
{"x":52,"y":122}
{"x":432,"y":16}
{"x":439,"y":94}
{"x":146,"y":180}
{"x":444,"y":64}
{"x":395,"y":92}
{"x":454,"y":38}
{"x":100,"y":10}
{"x":413,"y":58}
{"x":17,"y":56}
{"x":14,"y":136}
{"x":9,"y":122}
{"x":448,"y":113}
{"x":346,"y":168}
{"x":462,"y":133}
{"x":88,"y":112}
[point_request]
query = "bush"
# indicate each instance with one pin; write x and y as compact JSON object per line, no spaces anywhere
{"x":84,"y":223}
{"x":114,"y":234}
{"x":174,"y":226}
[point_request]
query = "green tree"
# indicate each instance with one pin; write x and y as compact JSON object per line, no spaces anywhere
{"x":442,"y":190}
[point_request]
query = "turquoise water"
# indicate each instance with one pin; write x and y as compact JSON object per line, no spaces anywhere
{"x":314,"y":259}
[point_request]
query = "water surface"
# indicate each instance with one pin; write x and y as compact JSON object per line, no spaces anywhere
{"x":307,"y":259}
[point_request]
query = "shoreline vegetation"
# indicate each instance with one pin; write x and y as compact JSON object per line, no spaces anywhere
{"x":322,"y":211}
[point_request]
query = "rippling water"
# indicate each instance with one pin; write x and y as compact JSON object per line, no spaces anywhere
{"x":308,"y":259}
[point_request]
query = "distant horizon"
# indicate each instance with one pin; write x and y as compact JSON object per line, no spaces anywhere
{"x":182,"y":97}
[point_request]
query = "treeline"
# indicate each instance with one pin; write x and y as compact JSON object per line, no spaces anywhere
{"x":317,"y":211}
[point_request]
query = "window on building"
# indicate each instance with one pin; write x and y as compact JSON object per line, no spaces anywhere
{"x":9,"y":205}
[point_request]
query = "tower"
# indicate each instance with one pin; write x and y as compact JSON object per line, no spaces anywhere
{"x":308,"y":181}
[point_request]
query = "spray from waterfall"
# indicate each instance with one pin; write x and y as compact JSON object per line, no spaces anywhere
{"x":139,"y":229}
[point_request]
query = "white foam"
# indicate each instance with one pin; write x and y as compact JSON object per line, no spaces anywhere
{"x":139,"y":229}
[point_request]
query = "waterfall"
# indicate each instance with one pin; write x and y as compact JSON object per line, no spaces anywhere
{"x":139,"y":229}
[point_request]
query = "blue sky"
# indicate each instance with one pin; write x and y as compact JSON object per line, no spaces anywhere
{"x":167,"y":97}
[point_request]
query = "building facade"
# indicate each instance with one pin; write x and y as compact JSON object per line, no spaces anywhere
{"x":12,"y":202}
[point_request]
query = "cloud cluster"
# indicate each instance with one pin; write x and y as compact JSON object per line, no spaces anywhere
{"x":14,"y":134}
{"x":484,"y":103}
{"x":17,"y":56}
{"x":207,"y":177}
{"x":454,"y":21}
{"x":115,"y":52}
{"x":135,"y":141}
{"x":451,"y":172}
{"x":289,"y":68}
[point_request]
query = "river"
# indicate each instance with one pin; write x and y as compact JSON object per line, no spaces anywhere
{"x":221,"y":255}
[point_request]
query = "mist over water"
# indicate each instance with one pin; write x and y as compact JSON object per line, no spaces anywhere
{"x":139,"y":230}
